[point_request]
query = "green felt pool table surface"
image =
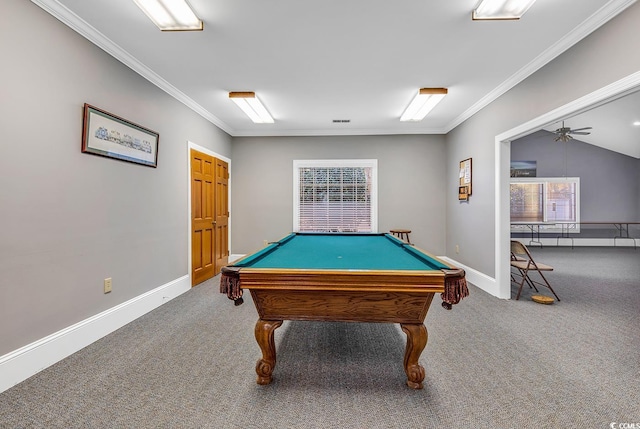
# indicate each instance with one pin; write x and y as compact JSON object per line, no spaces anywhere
{"x":341,"y":252}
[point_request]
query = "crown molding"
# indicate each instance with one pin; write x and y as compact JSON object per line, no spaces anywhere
{"x":604,"y":95}
{"x":343,"y":132}
{"x":595,"y":21}
{"x":588,"y":26}
{"x":73,"y":21}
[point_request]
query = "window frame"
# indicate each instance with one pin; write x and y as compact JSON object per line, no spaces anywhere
{"x":299,"y":164}
{"x":546,"y":225}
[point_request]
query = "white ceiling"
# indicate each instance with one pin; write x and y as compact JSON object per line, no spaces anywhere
{"x":311,"y":62}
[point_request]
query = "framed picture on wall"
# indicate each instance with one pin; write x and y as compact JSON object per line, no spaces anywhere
{"x":108,"y":135}
{"x":464,"y":188}
{"x":463,"y":193}
{"x":523,"y":168}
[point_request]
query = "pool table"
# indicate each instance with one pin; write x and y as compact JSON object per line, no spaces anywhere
{"x":343,"y":277}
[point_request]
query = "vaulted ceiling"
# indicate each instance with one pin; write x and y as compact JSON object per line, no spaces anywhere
{"x":614,"y":126}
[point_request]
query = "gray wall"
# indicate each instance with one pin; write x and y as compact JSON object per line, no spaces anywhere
{"x":598,"y":60}
{"x":68,"y":220}
{"x":411,"y":171}
{"x":609,"y":181}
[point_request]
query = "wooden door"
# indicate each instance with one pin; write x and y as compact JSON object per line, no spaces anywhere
{"x":209,"y":216}
{"x":221,"y":213}
{"x":202,"y":217}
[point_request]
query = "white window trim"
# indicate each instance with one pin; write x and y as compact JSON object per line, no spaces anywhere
{"x":328,"y":163}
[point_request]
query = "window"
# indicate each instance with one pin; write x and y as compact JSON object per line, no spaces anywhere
{"x":545,"y":200}
{"x":526,"y":202}
{"x":335,"y":195}
{"x":562,"y":202}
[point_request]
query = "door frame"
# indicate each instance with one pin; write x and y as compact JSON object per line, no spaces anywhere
{"x":617,"y":89}
{"x":194,"y":146}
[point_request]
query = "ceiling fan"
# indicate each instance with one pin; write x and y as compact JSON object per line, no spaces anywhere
{"x":564,"y":134}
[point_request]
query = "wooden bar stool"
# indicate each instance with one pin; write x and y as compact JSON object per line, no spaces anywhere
{"x":402,"y":234}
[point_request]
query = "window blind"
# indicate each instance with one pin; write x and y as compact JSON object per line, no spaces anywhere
{"x":527,"y":202}
{"x":335,"y":198}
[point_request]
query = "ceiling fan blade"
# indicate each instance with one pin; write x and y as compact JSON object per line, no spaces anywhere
{"x":580,"y":133}
{"x":581,"y":129}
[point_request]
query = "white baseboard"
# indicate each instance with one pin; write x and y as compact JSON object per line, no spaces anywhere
{"x":21,"y":364}
{"x":234,"y":257}
{"x":481,"y":280}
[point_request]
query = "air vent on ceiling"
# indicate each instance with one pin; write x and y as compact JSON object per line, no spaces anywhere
{"x":341,"y":121}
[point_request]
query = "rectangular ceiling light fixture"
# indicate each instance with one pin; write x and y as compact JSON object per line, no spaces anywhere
{"x":250,"y":105}
{"x":424,"y":101}
{"x":171,"y":15}
{"x":501,"y":9}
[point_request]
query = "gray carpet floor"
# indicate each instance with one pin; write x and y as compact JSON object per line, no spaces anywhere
{"x":489,"y":363}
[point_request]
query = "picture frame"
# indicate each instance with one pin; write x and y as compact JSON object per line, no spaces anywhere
{"x":464,"y":185}
{"x":463,"y":193}
{"x":105,"y":134}
{"x":523,"y":168}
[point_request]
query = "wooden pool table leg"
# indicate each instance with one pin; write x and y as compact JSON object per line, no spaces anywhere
{"x":264,"y":335}
{"x":416,"y":342}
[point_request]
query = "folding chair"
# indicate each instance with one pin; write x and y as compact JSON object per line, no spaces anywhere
{"x":522,"y":261}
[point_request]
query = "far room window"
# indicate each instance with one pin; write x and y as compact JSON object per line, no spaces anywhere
{"x":551,"y":200}
{"x":527,"y":202}
{"x":335,"y":195}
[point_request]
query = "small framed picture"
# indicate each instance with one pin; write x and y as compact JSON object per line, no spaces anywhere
{"x":463,"y":193}
{"x":108,"y":135}
{"x":465,"y":174}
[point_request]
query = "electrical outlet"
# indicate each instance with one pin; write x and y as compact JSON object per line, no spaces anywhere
{"x":107,"y":285}
{"x":457,"y":248}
